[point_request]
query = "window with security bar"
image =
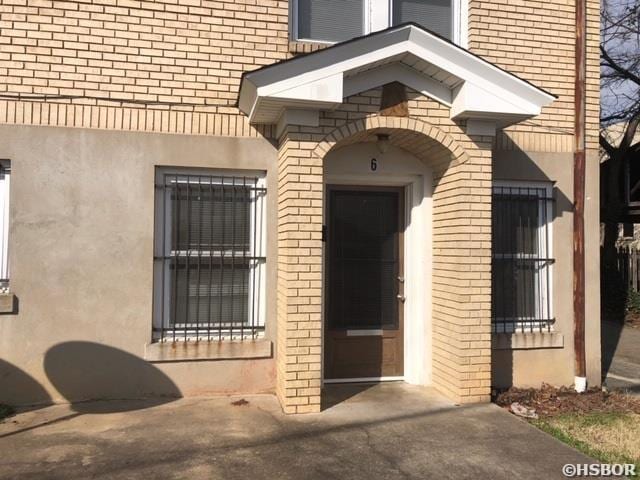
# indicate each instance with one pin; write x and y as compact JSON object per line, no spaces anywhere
{"x":522,"y":258}
{"x":5,"y":176}
{"x":209,"y":260}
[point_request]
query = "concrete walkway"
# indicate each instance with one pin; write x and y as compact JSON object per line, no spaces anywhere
{"x":369,"y":432}
{"x":621,"y":354}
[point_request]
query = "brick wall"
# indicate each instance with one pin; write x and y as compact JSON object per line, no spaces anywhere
{"x":535,"y":40}
{"x":171,"y":66}
{"x":175,"y":65}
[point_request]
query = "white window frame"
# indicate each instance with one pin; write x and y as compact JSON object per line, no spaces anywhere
{"x":5,"y":196}
{"x":257,"y":248}
{"x":378,"y":16}
{"x":543,"y":287}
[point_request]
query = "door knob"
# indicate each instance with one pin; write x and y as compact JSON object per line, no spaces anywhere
{"x":400,"y":297}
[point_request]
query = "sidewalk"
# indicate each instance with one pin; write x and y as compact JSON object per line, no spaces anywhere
{"x":376,"y":432}
{"x":621,"y":353}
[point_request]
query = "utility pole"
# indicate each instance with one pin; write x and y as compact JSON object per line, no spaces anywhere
{"x":579,"y":170}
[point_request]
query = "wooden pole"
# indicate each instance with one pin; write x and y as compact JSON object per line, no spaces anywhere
{"x":579,"y":169}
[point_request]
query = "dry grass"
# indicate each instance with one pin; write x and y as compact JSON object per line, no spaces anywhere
{"x":602,"y":425}
{"x":608,"y":437}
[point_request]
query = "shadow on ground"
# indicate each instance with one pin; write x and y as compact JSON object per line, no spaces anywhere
{"x":384,"y":432}
{"x":335,"y":394}
{"x":83,"y":371}
{"x":610,"y":332}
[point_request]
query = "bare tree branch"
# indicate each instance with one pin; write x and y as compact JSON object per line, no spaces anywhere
{"x":604,"y":143}
{"x":630,"y":133}
{"x":609,"y":62}
{"x":616,"y":116}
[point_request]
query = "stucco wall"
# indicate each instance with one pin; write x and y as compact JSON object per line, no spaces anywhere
{"x":531,"y":367}
{"x":81,"y":254}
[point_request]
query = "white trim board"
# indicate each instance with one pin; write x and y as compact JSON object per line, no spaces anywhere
{"x":363,"y":380}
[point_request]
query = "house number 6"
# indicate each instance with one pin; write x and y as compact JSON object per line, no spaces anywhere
{"x":374,"y":164}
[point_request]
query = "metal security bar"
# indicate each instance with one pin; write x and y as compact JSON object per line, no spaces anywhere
{"x":522,"y":277}
{"x":209,"y":263}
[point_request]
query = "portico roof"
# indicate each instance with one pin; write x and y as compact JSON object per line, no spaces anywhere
{"x":472,"y":87}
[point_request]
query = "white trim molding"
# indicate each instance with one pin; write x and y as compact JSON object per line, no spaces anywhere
{"x":472,"y":87}
{"x":363,"y":380}
{"x":5,"y":187}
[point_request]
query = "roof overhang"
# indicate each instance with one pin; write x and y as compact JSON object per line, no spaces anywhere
{"x":472,"y":87}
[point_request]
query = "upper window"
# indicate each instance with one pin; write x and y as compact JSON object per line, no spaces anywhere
{"x":339,"y":20}
{"x":209,"y":260}
{"x":521,"y":266}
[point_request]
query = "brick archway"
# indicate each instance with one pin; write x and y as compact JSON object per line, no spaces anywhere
{"x":358,"y":130}
{"x":461,"y":273}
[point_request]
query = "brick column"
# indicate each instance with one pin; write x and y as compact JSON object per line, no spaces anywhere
{"x":462,"y":274}
{"x":299,"y":333}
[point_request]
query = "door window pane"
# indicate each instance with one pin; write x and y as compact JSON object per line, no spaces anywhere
{"x":363,"y":259}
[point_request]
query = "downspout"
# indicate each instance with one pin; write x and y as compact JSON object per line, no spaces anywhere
{"x":579,"y":167}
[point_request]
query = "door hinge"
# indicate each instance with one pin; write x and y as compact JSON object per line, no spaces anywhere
{"x":324,"y":233}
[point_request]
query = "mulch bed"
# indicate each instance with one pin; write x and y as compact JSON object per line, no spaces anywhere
{"x":550,"y":401}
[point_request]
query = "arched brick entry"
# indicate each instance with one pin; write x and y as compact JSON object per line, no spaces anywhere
{"x":413,"y":135}
{"x":461,"y":291}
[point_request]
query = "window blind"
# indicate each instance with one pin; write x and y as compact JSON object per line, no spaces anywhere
{"x":330,"y":20}
{"x":434,"y":15}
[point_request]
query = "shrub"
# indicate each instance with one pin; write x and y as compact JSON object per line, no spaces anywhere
{"x":5,"y":411}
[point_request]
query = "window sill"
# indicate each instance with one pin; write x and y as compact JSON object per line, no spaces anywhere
{"x":526,"y":341}
{"x":8,"y":303}
{"x":199,"y":351}
{"x":296,"y":46}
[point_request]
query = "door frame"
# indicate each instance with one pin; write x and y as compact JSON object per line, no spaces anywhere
{"x":401,"y":219}
{"x":417,"y":288}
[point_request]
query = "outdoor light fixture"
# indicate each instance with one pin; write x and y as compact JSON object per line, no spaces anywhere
{"x":383,"y":142}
